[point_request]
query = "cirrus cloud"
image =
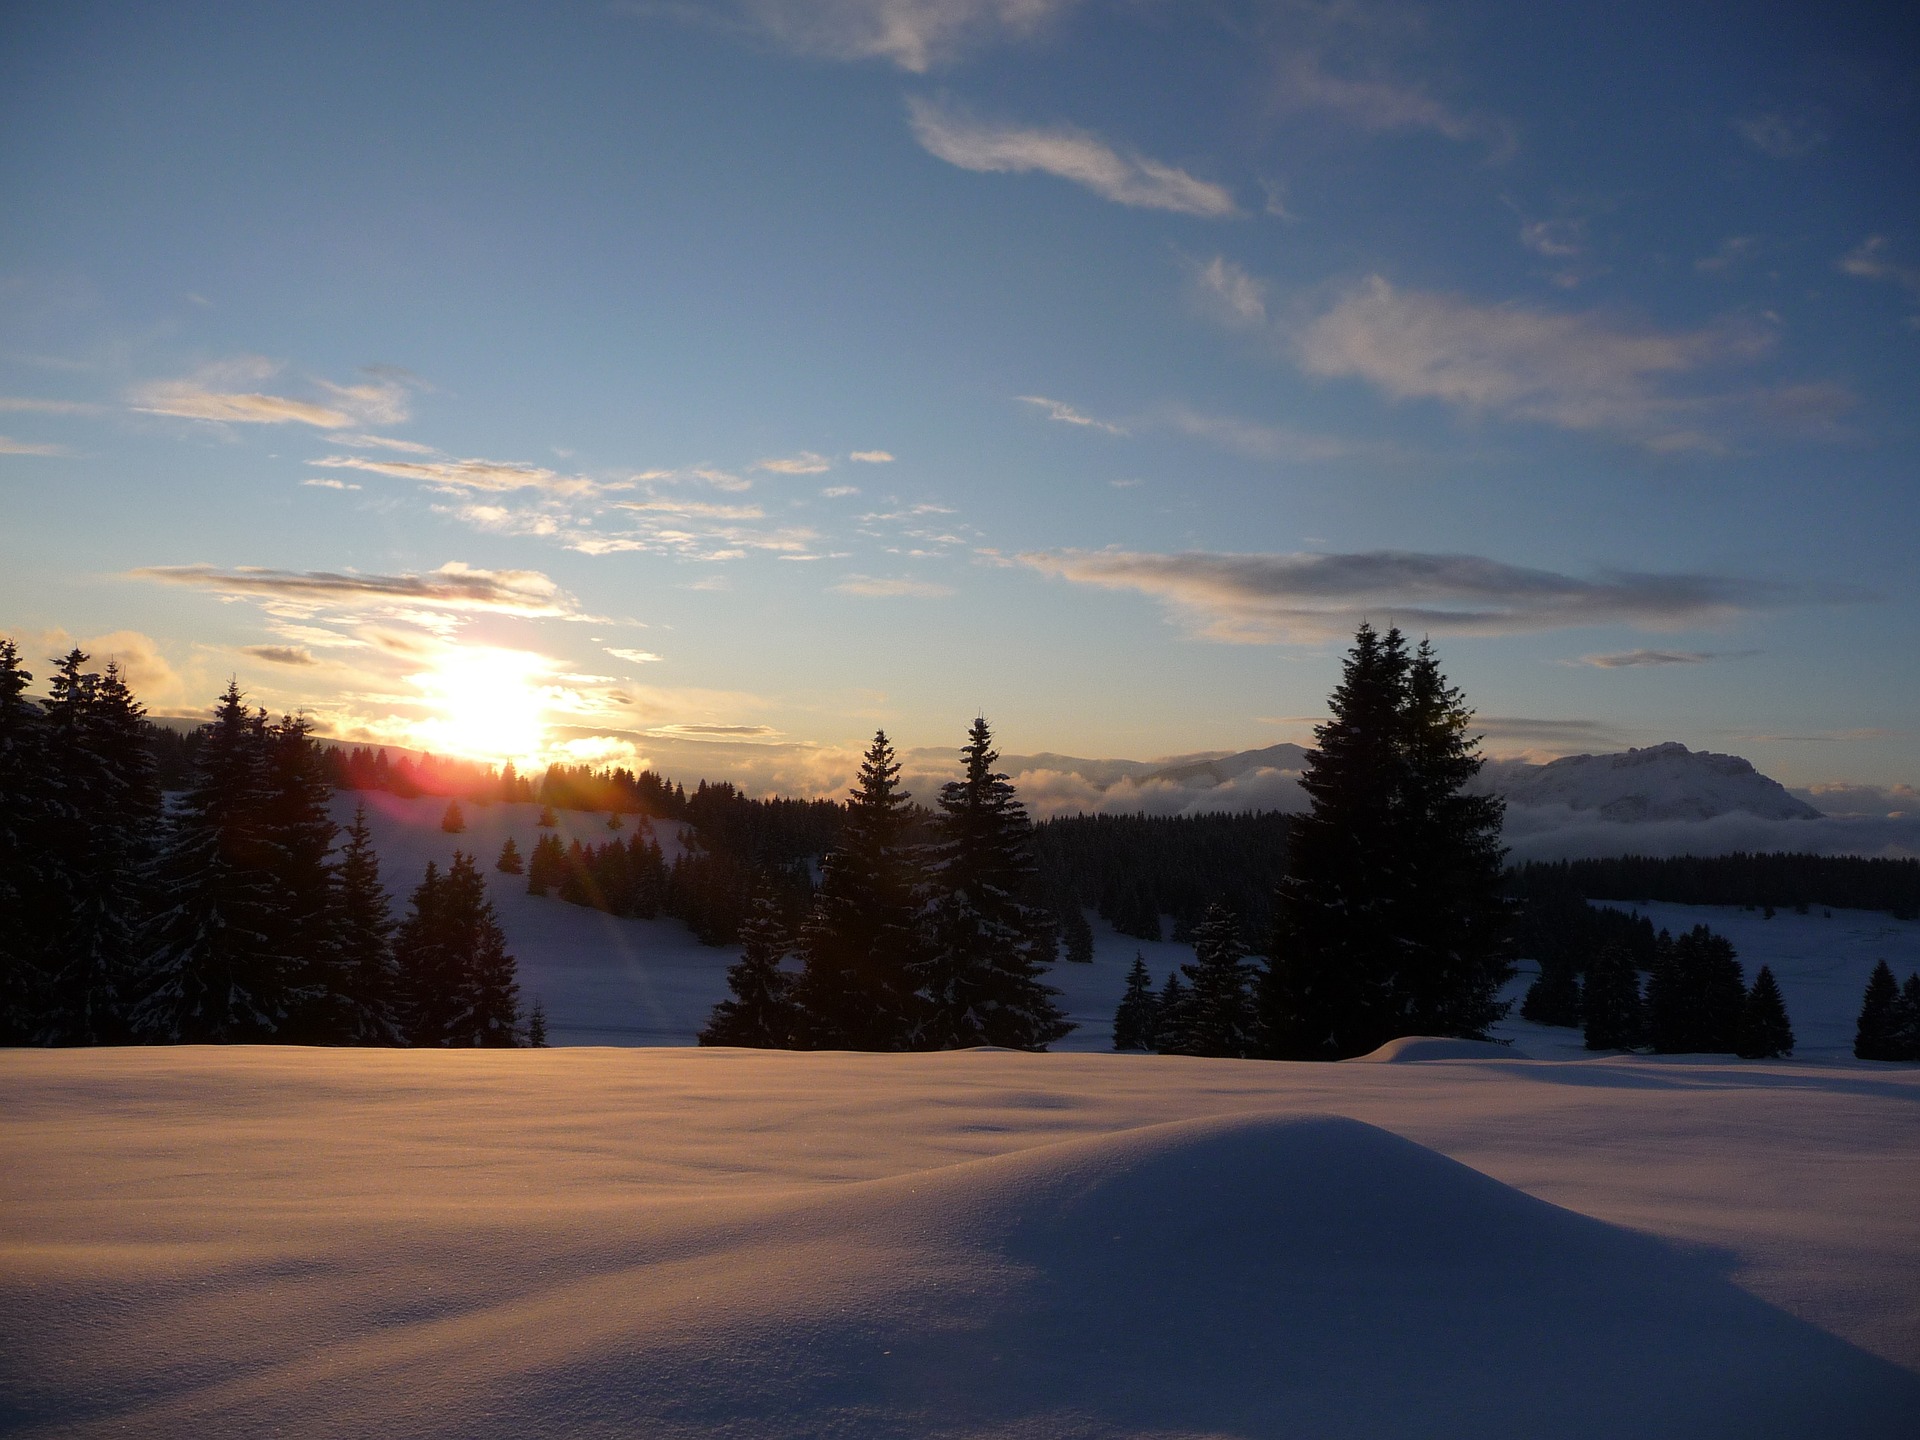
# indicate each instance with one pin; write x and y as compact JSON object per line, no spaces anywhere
{"x":454,"y":587}
{"x":1076,"y":155}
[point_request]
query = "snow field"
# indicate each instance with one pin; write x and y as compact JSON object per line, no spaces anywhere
{"x":238,"y":1241}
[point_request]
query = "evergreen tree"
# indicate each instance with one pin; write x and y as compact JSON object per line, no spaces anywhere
{"x":1877,"y":1036}
{"x":362,"y":934}
{"x":861,"y":946}
{"x":1078,"y":934}
{"x":548,"y":865}
{"x":614,"y":822}
{"x":760,"y":1015}
{"x":1764,"y":1032}
{"x":211,"y":972}
{"x":1133,"y":1022}
{"x":459,"y":981}
{"x":536,"y":1021}
{"x":453,"y":822}
{"x":297,"y":833}
{"x":509,"y":861}
{"x":546,"y":820}
{"x":23,"y":806}
{"x":1171,"y":1013}
{"x":1330,"y":987}
{"x":1554,"y":998}
{"x":988,"y":941}
{"x":1610,"y":1006}
{"x":1220,"y":1011}
{"x":1906,"y":1034}
{"x":1694,"y":996}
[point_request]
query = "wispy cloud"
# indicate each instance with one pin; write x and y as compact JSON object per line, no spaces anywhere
{"x":1869,"y":260}
{"x":1064,"y":413}
{"x":1124,"y":177}
{"x":871,"y":457}
{"x":1785,"y":134}
{"x":668,"y":505}
{"x":294,"y":655}
{"x":25,"y":404}
{"x":1380,"y":103}
{"x":834,"y":492}
{"x":1259,"y":599}
{"x":633,"y":657}
{"x":915,"y":35}
{"x":10,"y":446}
{"x":454,"y":587}
{"x":1229,"y":294}
{"x":214,"y":394}
{"x":1576,"y":371}
{"x":495,"y":475}
{"x":1630,"y":659}
{"x":1257,"y":441}
{"x":327,"y":482}
{"x":385,"y":442}
{"x":805,"y":463}
{"x":879,"y":588}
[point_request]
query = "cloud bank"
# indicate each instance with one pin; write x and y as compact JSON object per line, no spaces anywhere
{"x":1263,"y":599}
{"x":1075,"y":155}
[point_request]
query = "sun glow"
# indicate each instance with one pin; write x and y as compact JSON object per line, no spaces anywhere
{"x":490,"y":704}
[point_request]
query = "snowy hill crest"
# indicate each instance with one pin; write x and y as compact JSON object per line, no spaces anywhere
{"x":1657,"y":782}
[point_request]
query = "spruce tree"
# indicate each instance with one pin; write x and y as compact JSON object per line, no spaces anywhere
{"x":1764,"y":1032}
{"x":1554,"y":998}
{"x":1877,"y":1035}
{"x":362,"y":932}
{"x":1906,"y":1033}
{"x":861,"y":946}
{"x":987,"y":942}
{"x":1078,"y":934}
{"x":1133,"y":1022}
{"x":297,"y":833}
{"x":1171,"y":1012}
{"x":1220,"y":1010}
{"x":546,"y":820}
{"x":1610,"y":1005}
{"x":536,"y":1022}
{"x":23,"y":806}
{"x":509,"y":862}
{"x":211,"y":971}
{"x":760,"y":1015}
{"x":1330,"y":990}
{"x":453,"y":821}
{"x":1695,"y":995}
{"x":460,"y":983}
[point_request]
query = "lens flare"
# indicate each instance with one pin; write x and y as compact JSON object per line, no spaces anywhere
{"x":491,"y":704}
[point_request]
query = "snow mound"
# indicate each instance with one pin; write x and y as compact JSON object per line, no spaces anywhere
{"x":1659,"y":782}
{"x":1409,"y":1048}
{"x":1248,"y":1275}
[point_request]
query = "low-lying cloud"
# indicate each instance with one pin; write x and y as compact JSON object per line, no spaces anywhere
{"x":1124,"y":177}
{"x":1263,"y":599}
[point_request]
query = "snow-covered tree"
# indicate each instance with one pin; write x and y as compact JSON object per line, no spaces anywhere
{"x":987,"y":942}
{"x":760,"y":1015}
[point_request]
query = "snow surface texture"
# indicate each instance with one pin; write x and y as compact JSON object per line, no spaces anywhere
{"x":216,"y":1242}
{"x":604,"y":981}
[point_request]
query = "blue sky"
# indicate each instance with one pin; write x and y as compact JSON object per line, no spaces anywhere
{"x":709,"y":384}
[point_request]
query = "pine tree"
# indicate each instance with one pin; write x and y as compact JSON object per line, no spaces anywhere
{"x":1330,"y":987}
{"x":861,"y":945}
{"x":760,"y":1015}
{"x":1764,"y":1032}
{"x":1877,"y":1036}
{"x":546,"y":820}
{"x":1133,"y":1022}
{"x":1906,"y":1032}
{"x":988,"y":942}
{"x":1220,"y":1012}
{"x":362,"y":932}
{"x":453,"y":822}
{"x":24,"y":804}
{"x":297,"y":832}
{"x":614,"y":822}
{"x":1078,"y":933}
{"x":211,"y":972}
{"x":1610,"y":1006}
{"x":536,"y":1021}
{"x":548,"y":865}
{"x":509,"y":861}
{"x":459,"y":981}
{"x":1554,"y":998}
{"x":1694,"y":995}
{"x":1171,"y":1012}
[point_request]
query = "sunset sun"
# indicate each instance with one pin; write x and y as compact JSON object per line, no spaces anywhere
{"x":487,"y":704}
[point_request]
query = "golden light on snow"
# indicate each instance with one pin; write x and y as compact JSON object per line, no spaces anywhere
{"x":489,"y":704}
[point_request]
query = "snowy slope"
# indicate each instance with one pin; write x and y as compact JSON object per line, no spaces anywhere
{"x":250,"y":1241}
{"x":1660,"y":782}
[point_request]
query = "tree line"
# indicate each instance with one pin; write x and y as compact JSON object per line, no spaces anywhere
{"x":1780,"y":881}
{"x":226,"y":915}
